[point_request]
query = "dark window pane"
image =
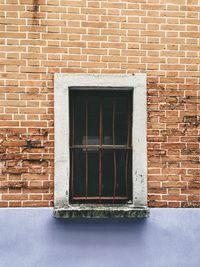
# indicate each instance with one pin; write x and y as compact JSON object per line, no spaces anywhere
{"x":93,"y":121}
{"x":93,"y":173}
{"x":107,"y":173}
{"x":124,"y":185}
{"x":120,"y":166}
{"x":79,"y":122}
{"x":100,"y":161}
{"x":79,"y":173}
{"x":107,"y":117}
{"x":121,"y":120}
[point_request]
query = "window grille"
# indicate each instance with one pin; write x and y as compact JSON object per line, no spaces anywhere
{"x":100,"y":146}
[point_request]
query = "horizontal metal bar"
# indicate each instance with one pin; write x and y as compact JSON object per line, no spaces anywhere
{"x":98,"y":147}
{"x":98,"y":198}
{"x":110,"y":88}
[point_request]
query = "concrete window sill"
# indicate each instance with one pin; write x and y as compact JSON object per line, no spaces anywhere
{"x":104,"y":211}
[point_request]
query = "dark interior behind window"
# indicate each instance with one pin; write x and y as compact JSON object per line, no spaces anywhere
{"x":100,"y":146}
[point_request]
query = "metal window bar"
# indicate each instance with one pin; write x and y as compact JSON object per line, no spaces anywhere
{"x":86,"y":150}
{"x":100,"y":152}
{"x":114,"y":154}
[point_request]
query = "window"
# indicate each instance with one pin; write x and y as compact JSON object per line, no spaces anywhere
{"x":100,"y":146}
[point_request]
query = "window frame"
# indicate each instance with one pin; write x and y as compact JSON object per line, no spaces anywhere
{"x":62,"y":206}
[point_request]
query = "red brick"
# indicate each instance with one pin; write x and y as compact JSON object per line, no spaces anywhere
{"x":109,"y":37}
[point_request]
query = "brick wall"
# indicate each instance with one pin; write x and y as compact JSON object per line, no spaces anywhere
{"x":157,"y":37}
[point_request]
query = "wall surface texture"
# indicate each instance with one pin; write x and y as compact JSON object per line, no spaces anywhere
{"x":32,"y":237}
{"x":158,"y":37}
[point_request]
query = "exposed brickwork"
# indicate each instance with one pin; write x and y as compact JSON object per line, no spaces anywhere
{"x":157,"y":37}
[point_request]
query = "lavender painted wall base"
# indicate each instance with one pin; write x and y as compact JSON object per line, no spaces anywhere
{"x":33,"y":238}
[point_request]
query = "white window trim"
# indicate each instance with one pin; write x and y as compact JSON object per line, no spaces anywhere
{"x":62,"y":206}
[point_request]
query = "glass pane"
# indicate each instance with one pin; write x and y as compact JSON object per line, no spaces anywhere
{"x":107,"y":117}
{"x":115,"y":108}
{"x":93,"y":173}
{"x":124,"y":185}
{"x":79,"y":173}
{"x":93,"y":121}
{"x":107,"y":173}
{"x":123,"y":173}
{"x":93,"y":113}
{"x":121,"y":120}
{"x":120,"y":170}
{"x":79,"y":122}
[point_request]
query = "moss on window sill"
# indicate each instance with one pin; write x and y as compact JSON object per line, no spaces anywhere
{"x":104,"y":211}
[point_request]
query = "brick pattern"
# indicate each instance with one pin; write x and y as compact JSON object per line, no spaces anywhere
{"x":157,"y":37}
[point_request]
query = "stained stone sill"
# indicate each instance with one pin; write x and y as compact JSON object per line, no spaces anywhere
{"x":104,"y":211}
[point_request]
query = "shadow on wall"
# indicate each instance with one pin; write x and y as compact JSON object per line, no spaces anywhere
{"x":101,"y":231}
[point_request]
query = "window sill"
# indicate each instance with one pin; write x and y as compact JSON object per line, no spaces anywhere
{"x":104,"y":211}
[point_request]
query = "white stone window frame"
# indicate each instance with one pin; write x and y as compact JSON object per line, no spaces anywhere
{"x":62,"y":206}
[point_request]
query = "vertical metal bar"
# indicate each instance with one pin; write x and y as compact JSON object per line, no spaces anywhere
{"x":100,"y":174}
{"x":86,"y":174}
{"x":126,"y":173}
{"x":129,"y":123}
{"x":86,"y":124}
{"x":113,"y":122}
{"x":113,"y":130}
{"x":100,"y":150}
{"x":73,"y":124}
{"x":115,"y":177}
{"x":86,"y":152}
{"x":100,"y":126}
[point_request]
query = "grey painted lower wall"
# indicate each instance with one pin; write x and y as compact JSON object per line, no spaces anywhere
{"x":32,"y":237}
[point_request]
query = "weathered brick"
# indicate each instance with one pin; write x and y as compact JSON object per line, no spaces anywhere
{"x":159,"y":38}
